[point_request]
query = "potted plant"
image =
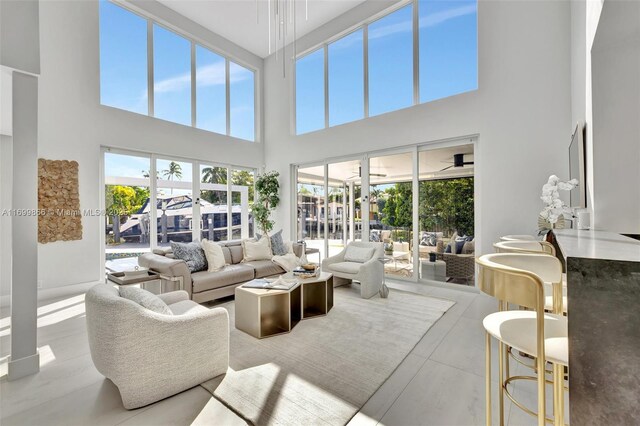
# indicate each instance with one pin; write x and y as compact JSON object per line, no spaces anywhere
{"x":267,"y":199}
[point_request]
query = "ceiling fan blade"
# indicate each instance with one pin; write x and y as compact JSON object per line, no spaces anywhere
{"x":447,"y":168}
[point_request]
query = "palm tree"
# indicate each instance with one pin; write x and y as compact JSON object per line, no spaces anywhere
{"x":214,"y":175}
{"x":174,"y":171}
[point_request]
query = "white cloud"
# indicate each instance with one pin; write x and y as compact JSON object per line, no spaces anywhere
{"x":430,"y":20}
{"x":437,"y":18}
{"x":208,"y":75}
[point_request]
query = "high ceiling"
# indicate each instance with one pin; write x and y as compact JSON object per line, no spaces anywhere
{"x":245,"y":22}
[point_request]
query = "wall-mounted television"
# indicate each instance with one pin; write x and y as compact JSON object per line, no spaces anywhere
{"x":578,"y":168}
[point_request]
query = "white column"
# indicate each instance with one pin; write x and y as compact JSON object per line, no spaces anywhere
{"x":364,"y":199}
{"x":352,"y":212}
{"x":24,"y":358}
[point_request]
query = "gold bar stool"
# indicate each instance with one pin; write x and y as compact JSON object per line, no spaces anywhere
{"x":518,"y":237}
{"x":519,"y":279}
{"x":555,"y":296}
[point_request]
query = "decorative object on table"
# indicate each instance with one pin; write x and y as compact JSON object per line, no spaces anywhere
{"x":136,"y":272}
{"x":384,"y":290}
{"x":303,"y":272}
{"x":59,"y":200}
{"x":267,"y":199}
{"x":388,"y":247}
{"x":432,"y":257}
{"x":552,"y":215}
{"x":273,"y":283}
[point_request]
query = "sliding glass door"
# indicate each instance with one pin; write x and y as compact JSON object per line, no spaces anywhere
{"x":391,"y":210}
{"x":414,"y":200}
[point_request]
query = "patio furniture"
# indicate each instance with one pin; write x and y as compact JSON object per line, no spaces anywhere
{"x":459,"y":266}
{"x":150,"y":356}
{"x":436,"y":271}
{"x":349,"y":265}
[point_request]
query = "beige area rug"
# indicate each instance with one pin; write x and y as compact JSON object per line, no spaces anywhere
{"x":325,"y":370}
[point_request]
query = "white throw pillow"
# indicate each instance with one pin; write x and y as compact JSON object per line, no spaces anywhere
{"x":256,"y":250}
{"x":214,"y":254}
{"x":358,"y":254}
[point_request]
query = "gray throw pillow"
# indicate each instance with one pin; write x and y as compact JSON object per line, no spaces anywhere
{"x":278,"y":248}
{"x":145,"y":299}
{"x":191,"y":253}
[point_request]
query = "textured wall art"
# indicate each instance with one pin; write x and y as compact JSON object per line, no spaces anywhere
{"x":59,"y":217}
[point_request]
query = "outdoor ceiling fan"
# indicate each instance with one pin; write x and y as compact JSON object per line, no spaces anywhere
{"x":458,"y":161}
{"x":359,"y":174}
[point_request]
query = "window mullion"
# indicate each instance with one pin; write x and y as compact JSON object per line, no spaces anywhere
{"x":416,"y":52}
{"x":150,"y":75}
{"x":326,"y":86}
{"x":193,"y":84}
{"x":227,"y":94}
{"x":365,"y":67}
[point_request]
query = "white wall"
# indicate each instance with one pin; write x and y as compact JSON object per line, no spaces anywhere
{"x":6,"y":173}
{"x":615,"y":76}
{"x":73,"y":125}
{"x":521,"y":111}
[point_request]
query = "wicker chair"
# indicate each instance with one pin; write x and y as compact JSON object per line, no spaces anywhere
{"x":459,"y":266}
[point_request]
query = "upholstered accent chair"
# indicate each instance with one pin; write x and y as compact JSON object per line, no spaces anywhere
{"x":150,"y":356}
{"x":358,"y":262}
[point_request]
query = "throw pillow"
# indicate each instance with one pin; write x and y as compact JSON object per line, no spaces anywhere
{"x":460,"y":244}
{"x":451,"y":246}
{"x":278,"y":247}
{"x":358,"y":254}
{"x":191,"y":253}
{"x":256,"y":250}
{"x":469,"y":247}
{"x":146,"y":299}
{"x":214,"y":254}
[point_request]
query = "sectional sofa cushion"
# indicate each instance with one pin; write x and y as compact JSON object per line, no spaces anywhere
{"x":346,"y":267}
{"x":191,"y":253}
{"x":214,"y":254}
{"x":145,"y":299}
{"x":256,"y":250}
{"x":358,"y":254}
{"x":265,"y":268}
{"x":230,"y":274}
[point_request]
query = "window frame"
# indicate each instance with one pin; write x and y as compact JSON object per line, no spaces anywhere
{"x":193,"y":41}
{"x":364,"y":25}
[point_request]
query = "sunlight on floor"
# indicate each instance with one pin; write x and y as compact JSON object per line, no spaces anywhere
{"x":46,"y":356}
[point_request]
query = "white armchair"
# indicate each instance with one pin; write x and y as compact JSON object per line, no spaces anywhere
{"x":151,"y":356}
{"x":358,"y":262}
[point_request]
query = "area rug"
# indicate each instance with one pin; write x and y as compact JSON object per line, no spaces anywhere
{"x":324,"y":371}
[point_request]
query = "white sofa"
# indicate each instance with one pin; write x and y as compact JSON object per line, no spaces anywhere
{"x":368,"y":273}
{"x":150,"y":356}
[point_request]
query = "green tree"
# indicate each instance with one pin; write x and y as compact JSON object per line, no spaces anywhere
{"x":447,"y":205}
{"x":267,"y":199}
{"x":214,"y":175}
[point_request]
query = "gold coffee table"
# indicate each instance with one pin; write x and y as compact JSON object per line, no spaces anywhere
{"x":265,"y":313}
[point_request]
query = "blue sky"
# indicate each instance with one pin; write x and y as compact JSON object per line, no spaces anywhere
{"x":123,"y":76}
{"x":448,"y":64}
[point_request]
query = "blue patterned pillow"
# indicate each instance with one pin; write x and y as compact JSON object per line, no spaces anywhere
{"x":192,"y":254}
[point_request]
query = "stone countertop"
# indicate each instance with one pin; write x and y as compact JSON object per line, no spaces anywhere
{"x":590,"y":244}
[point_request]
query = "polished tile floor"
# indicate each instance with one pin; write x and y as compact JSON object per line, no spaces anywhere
{"x":441,"y":382}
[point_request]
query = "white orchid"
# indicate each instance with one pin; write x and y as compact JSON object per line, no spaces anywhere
{"x":554,"y":206}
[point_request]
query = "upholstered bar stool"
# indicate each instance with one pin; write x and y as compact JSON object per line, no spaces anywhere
{"x":556,"y":303}
{"x":519,"y":279}
{"x":518,"y":237}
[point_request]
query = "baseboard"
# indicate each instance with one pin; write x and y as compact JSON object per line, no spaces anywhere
{"x":55,"y":292}
{"x":23,"y":367}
